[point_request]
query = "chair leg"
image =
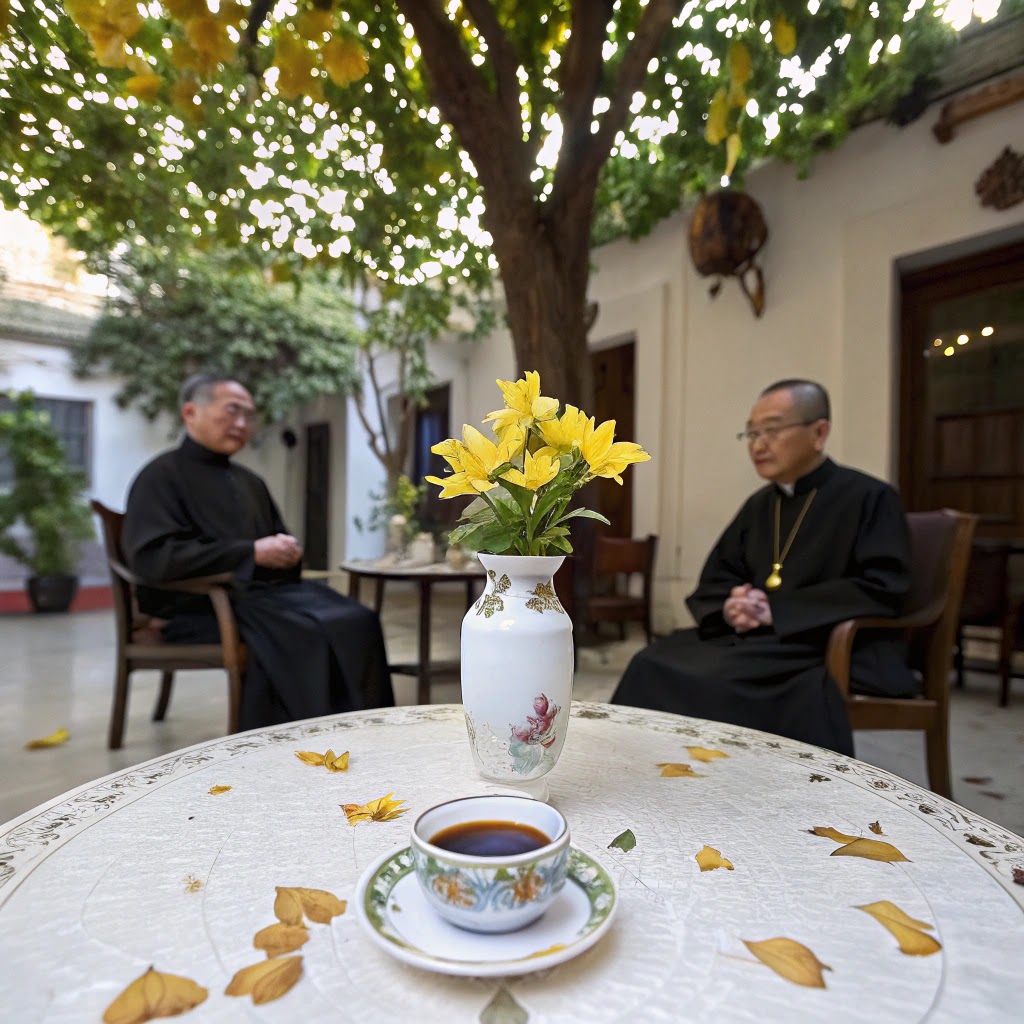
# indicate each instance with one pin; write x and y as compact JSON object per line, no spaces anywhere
{"x":958,"y":658}
{"x":234,"y":698}
{"x":115,"y":736}
{"x":937,"y":749}
{"x":622,"y":630}
{"x":1006,"y":639}
{"x":166,"y":682}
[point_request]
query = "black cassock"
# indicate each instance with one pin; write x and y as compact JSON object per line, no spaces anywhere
{"x":850,"y":557}
{"x":192,"y":512}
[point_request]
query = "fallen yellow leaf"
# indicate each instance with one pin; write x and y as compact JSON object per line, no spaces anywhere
{"x":152,"y":995}
{"x":217,"y":790}
{"x":336,"y":764}
{"x":267,"y":980}
{"x":383,"y":809}
{"x":55,"y":739}
{"x":704,"y":754}
{"x":677,"y":771}
{"x":318,"y":905}
{"x":870,"y":849}
{"x":710,"y":858}
{"x":192,"y":884}
{"x":276,"y":939}
{"x":905,"y":929}
{"x":790,"y":960}
{"x":833,"y":834}
{"x":876,"y":827}
{"x":287,"y":906}
{"x":309,"y":757}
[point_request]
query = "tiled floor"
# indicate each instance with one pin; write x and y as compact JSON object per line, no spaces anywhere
{"x":57,"y":671}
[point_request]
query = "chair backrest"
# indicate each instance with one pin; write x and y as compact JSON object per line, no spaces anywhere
{"x":615,"y":555}
{"x":986,"y":592}
{"x":940,"y":545}
{"x":112,"y":523}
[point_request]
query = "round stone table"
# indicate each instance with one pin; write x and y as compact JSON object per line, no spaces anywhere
{"x":149,"y":867}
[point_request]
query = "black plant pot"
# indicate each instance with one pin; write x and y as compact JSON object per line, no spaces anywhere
{"x":51,"y":593}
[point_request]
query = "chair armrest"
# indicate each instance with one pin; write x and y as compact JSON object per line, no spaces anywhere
{"x":195,"y":585}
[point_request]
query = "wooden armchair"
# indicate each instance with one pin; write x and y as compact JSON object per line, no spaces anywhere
{"x":615,"y":557}
{"x":940,"y":550}
{"x":141,"y":646}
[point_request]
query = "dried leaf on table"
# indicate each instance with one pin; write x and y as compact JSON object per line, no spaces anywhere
{"x":287,"y":906}
{"x":192,"y":884}
{"x":791,"y":960}
{"x":337,"y":763}
{"x":503,"y":1009}
{"x":310,"y":757}
{"x":55,"y":739}
{"x":710,"y":858}
{"x":876,"y":827}
{"x":624,"y":841}
{"x":318,"y":905}
{"x":153,"y":995}
{"x":870,"y":849}
{"x":704,"y":754}
{"x":279,"y":938}
{"x":217,"y":790}
{"x":669,"y":770}
{"x":908,"y":931}
{"x":267,"y":980}
{"x":833,"y":834}
{"x":383,"y":809}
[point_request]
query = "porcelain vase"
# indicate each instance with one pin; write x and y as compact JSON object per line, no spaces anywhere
{"x":517,"y":669}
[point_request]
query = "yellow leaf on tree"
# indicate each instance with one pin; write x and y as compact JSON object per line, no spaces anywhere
{"x":733,"y":148}
{"x":739,"y":63}
{"x":907,"y":931}
{"x":267,"y":980}
{"x":279,"y":938}
{"x":55,"y":739}
{"x":310,"y":757}
{"x":716,"y":129}
{"x":337,"y":763}
{"x":153,"y":995}
{"x":314,"y":23}
{"x":108,"y":47}
{"x":833,"y":834}
{"x":345,"y":61}
{"x":870,"y":849}
{"x":677,"y":771}
{"x":182,"y":9}
{"x":217,"y":790}
{"x":790,"y":960}
{"x":710,"y":858}
{"x":144,"y":87}
{"x":704,"y":754}
{"x":5,"y":15}
{"x":784,"y":35}
{"x":383,"y":809}
{"x":318,"y":905}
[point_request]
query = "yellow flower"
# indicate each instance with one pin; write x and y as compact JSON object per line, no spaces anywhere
{"x":523,"y":405}
{"x":474,"y":460}
{"x":605,"y":458}
{"x":538,"y":470}
{"x":566,"y":433}
{"x":382,"y":809}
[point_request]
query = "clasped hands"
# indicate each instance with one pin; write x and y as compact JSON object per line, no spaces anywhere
{"x":281,"y":551}
{"x":747,"y":608}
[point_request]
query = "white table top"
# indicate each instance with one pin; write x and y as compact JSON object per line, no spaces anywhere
{"x":99,"y":884}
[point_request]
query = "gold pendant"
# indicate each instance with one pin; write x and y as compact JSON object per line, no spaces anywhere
{"x":774,"y":580}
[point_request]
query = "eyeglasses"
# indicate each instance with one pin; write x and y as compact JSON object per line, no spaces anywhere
{"x":770,"y":433}
{"x":235,"y":412}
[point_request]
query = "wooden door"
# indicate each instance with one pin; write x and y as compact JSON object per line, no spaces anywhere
{"x":614,"y":379}
{"x":318,"y":495}
{"x":962,"y":389}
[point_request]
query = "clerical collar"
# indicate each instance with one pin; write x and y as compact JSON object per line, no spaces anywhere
{"x":194,"y":450}
{"x":812,"y":480}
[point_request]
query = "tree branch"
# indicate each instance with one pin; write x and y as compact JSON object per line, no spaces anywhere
{"x":254,"y":21}
{"x":504,"y":58}
{"x":371,"y":370}
{"x":368,"y":427}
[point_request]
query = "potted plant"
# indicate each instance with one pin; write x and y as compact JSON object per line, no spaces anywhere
{"x":43,"y":517}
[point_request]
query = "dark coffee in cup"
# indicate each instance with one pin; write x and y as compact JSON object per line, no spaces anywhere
{"x":490,"y":838}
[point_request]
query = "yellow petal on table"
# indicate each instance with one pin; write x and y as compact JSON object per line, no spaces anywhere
{"x":279,"y":938}
{"x":710,"y":858}
{"x":908,"y":931}
{"x":670,"y":770}
{"x":833,"y":834}
{"x":287,"y":906}
{"x":267,"y":980}
{"x":217,"y":790}
{"x":55,"y":739}
{"x":153,"y":995}
{"x":383,"y":809}
{"x":870,"y":849}
{"x":790,"y":960}
{"x":704,"y":754}
{"x":337,"y":763}
{"x":192,"y":884}
{"x":876,"y":827}
{"x":310,"y":757}
{"x":319,"y":905}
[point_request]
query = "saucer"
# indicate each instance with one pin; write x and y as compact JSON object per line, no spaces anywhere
{"x":392,"y":908}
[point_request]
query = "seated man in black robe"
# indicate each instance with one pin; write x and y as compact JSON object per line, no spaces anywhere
{"x":821,"y":543}
{"x":193,"y":512}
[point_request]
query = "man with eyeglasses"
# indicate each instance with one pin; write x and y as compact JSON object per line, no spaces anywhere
{"x":193,"y":512}
{"x":819,"y":544}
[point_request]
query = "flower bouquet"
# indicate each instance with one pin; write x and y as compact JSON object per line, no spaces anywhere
{"x":526,"y":478}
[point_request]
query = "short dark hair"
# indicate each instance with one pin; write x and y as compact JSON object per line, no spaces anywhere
{"x":199,"y":387}
{"x":810,"y":399}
